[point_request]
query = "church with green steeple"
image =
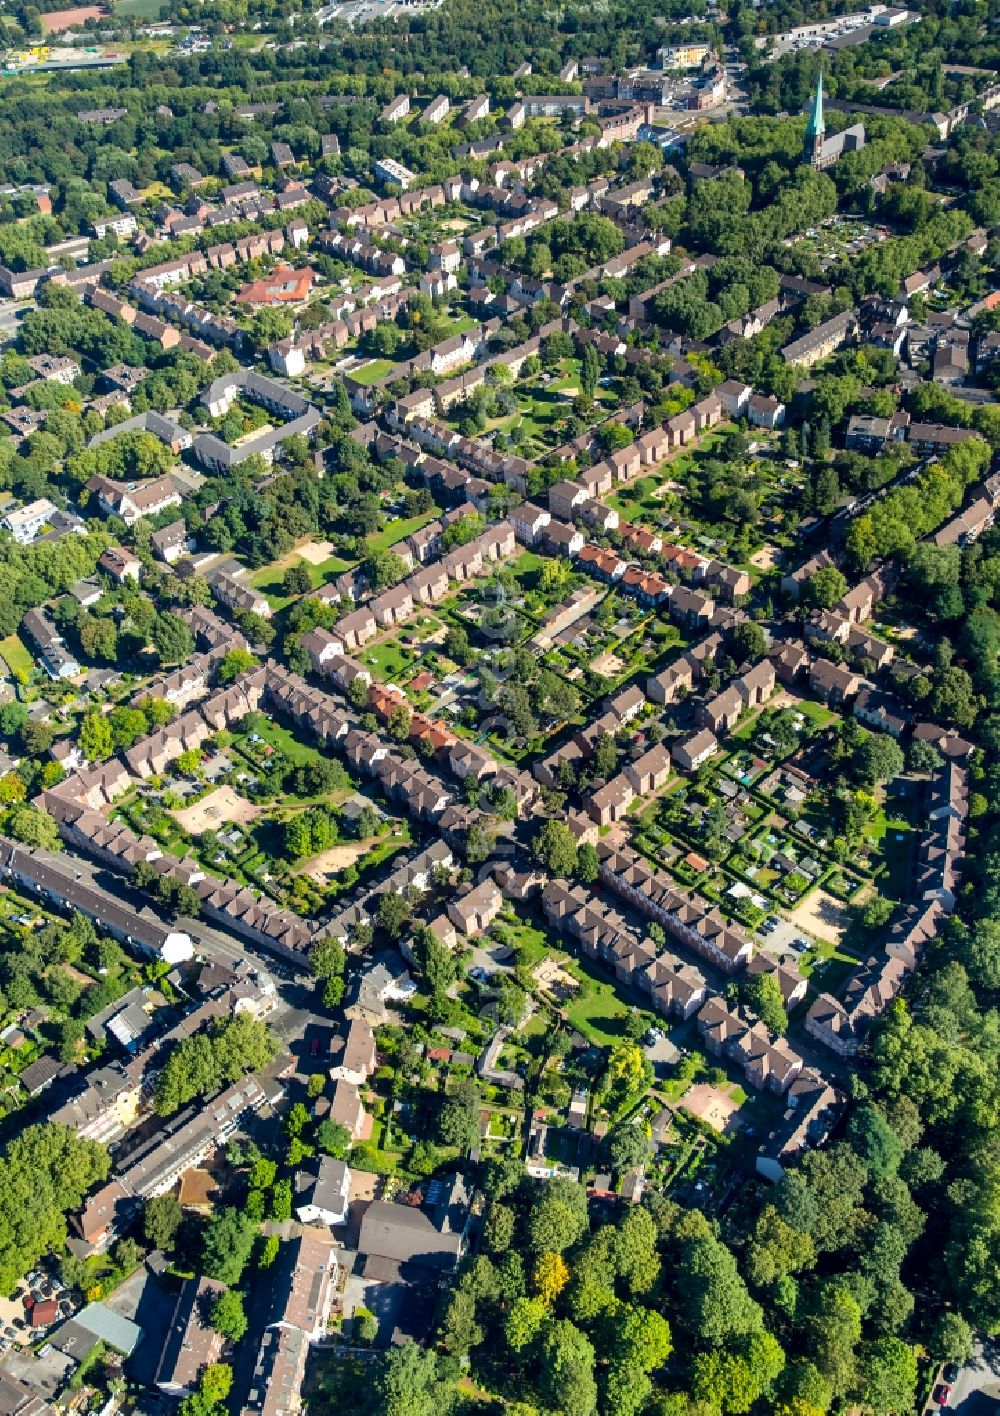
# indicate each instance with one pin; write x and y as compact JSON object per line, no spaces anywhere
{"x":821,"y":151}
{"x":816,"y":127}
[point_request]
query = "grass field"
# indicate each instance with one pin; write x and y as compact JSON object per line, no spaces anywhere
{"x":16,"y":656}
{"x":294,"y":749}
{"x":600,"y":1016}
{"x":139,"y":9}
{"x":373,"y":371}
{"x":387,"y":659}
{"x":268,"y":579}
{"x":399,"y":530}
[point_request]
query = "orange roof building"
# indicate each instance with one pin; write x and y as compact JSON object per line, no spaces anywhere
{"x":284,"y":286}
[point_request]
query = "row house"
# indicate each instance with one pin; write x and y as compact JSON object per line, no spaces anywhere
{"x":730,"y":583}
{"x":881,"y":712}
{"x":813,"y":1106}
{"x":675,"y":988}
{"x":942,"y":845}
{"x":650,"y":771}
{"x":835,"y":684}
{"x":679,"y":677}
{"x":238,"y":595}
{"x":685,"y":917}
{"x":179,"y":686}
{"x":766,"y":1059}
{"x":792,"y":984}
{"x":610,"y":802}
{"x":842,"y":1024}
{"x":691,"y":608}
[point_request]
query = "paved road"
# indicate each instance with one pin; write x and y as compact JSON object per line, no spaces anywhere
{"x":10,"y":320}
{"x":296,"y":1005}
{"x":971,"y":394}
{"x":977,"y":1391}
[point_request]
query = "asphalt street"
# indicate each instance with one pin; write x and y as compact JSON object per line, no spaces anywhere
{"x":977,"y":1390}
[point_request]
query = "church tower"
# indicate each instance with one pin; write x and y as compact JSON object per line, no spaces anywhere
{"x":816,"y":128}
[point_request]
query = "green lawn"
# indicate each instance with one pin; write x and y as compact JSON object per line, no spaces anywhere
{"x":532,"y":944}
{"x":294,"y":749}
{"x":599,"y":1017}
{"x":139,"y":9}
{"x":638,"y":500}
{"x":399,"y":530}
{"x":527,"y":568}
{"x":388,"y":659}
{"x":268,"y":578}
{"x":16,"y":656}
{"x":373,"y":371}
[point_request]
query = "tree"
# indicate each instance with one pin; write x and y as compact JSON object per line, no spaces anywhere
{"x":296,"y":580}
{"x":824,"y":588}
{"x":626,"y":1077}
{"x":45,"y":1173}
{"x":227,"y":1315}
{"x":172,"y":639}
{"x":762,"y":995}
{"x":332,"y":1138}
{"x":236,"y":663}
{"x":627,"y":1147}
{"x":364,"y":1325}
{"x":889,"y":1376}
{"x":228,"y":1243}
{"x":394,"y":913}
{"x":405,"y":1382}
{"x":216,"y":1383}
{"x":874,"y":1141}
{"x":31,"y":826}
{"x":207,"y":1061}
{"x":587,"y":861}
{"x":981,"y":954}
{"x":161,"y":1219}
{"x":96,"y":738}
{"x":718,"y":1306}
{"x":566,"y":1381}
{"x":776,"y":1249}
{"x":877,"y":759}
{"x":555,"y":848}
{"x":456,"y":644}
{"x":550,"y":1276}
{"x":951,"y":1339}
{"x":605,"y":757}
{"x":558,"y":1217}
{"x":525,"y":1320}
{"x":723,"y":1380}
{"x":458,"y":1119}
{"x":747,"y":642}
{"x":639,"y":1337}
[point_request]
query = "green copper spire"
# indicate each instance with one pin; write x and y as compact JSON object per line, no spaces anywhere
{"x":817,"y":125}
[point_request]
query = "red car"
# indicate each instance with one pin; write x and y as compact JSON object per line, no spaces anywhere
{"x":942,"y":1394}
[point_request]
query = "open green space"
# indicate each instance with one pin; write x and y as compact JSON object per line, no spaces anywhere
{"x":138,"y":9}
{"x":373,"y":371}
{"x":16,"y":656}
{"x":600,"y":1014}
{"x":398,"y":530}
{"x":388,"y":659}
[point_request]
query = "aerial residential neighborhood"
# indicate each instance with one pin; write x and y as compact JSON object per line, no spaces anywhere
{"x":499,"y":701}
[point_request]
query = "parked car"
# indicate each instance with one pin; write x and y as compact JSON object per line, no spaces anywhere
{"x":942,"y":1394}
{"x":950,"y":1372}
